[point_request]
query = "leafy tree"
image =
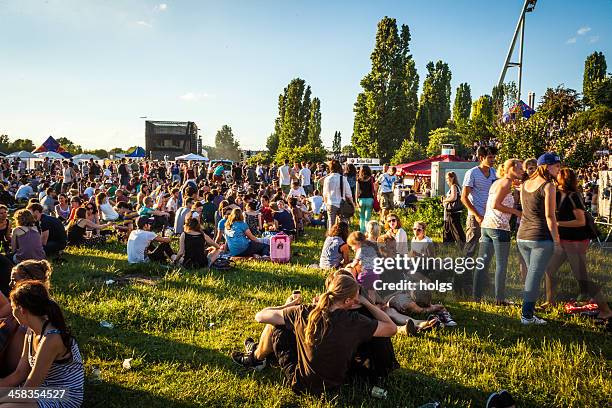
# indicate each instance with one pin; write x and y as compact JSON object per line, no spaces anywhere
{"x":116,"y":150}
{"x":408,"y":152}
{"x":69,"y":145}
{"x":463,"y":105}
{"x":4,"y":143}
{"x":301,"y":153}
{"x":21,"y":144}
{"x":559,"y":104}
{"x":386,"y":108}
{"x":503,"y":97}
{"x":305,"y":114}
{"x":225,"y":144}
{"x":442,"y":136}
{"x":101,"y":153}
{"x":313,"y":137}
{"x":349,"y":150}
{"x":272,"y":144}
{"x":595,"y":68}
{"x":337,"y":143}
{"x":262,"y":157}
{"x":482,"y":119}
{"x":434,"y":106}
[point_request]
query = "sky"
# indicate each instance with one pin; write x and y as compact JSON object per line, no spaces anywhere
{"x":89,"y":70}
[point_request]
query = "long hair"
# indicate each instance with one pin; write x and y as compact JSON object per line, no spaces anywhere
{"x":339,"y":229}
{"x":505,"y":167}
{"x":541,"y":171}
{"x":24,"y":218}
{"x":100,"y":199}
{"x":359,"y":237}
{"x":365,"y":172}
{"x":235,"y":216}
{"x":453,"y":178}
{"x":342,"y":287}
{"x":34,"y":297}
{"x":373,"y":230}
{"x":33,"y":270}
{"x":567,"y":180}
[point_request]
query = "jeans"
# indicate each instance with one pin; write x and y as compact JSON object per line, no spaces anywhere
{"x":537,"y":255}
{"x":333,"y":213}
{"x":256,"y":248}
{"x":492,"y":241}
{"x":365,"y":212}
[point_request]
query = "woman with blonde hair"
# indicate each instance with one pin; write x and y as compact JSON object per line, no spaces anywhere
{"x":328,"y":334}
{"x":240,"y":240}
{"x":26,"y":240}
{"x":495,"y":230}
{"x":372,"y":231}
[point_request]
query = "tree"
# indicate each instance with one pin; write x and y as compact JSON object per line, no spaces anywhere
{"x":559,"y":104}
{"x":349,"y":150}
{"x":386,"y":108}
{"x":225,"y":144}
{"x":301,"y":153}
{"x":313,"y":136}
{"x":434,"y":106}
{"x":70,"y":146}
{"x":272,"y":144}
{"x":21,"y":144}
{"x":442,"y":136}
{"x":337,"y":143}
{"x":101,"y":153}
{"x":4,"y":143}
{"x":462,"y":106}
{"x":595,"y":68}
{"x":305,"y":114}
{"x":503,"y":97}
{"x":482,"y":119}
{"x":408,"y":152}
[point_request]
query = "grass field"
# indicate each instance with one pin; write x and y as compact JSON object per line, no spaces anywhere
{"x":179,"y":326}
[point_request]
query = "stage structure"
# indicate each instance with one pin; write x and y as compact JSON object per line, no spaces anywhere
{"x":171,"y":139}
{"x":528,"y":7}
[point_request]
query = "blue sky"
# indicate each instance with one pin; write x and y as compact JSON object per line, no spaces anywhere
{"x":87,"y":70}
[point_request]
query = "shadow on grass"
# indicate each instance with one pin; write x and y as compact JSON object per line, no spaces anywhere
{"x":104,"y":395}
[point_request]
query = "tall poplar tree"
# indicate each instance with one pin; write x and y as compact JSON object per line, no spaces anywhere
{"x":595,"y":80}
{"x":385,"y":110}
{"x":314,"y":124}
{"x":434,"y":106}
{"x":463,"y":105}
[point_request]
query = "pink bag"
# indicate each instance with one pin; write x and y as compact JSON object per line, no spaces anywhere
{"x":280,"y":248}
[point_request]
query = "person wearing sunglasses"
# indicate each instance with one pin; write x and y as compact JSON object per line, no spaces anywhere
{"x":394,"y":228}
{"x":421,"y":244}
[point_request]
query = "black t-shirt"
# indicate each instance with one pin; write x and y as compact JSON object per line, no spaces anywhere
{"x":565,"y":212}
{"x":123,"y":169}
{"x":325,"y":365}
{"x":57,"y":233}
{"x":285,"y":220}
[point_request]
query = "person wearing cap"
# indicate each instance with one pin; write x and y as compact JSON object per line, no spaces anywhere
{"x":538,"y":232}
{"x":476,"y":184}
{"x":139,"y":248}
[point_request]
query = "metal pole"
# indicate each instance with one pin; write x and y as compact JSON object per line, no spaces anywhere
{"x":520,"y":64}
{"x":507,"y":63}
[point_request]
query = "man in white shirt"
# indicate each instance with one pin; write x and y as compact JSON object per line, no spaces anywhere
{"x":386,"y":182}
{"x":284,"y":175}
{"x":334,"y":192}
{"x":139,"y":242}
{"x":305,"y":178}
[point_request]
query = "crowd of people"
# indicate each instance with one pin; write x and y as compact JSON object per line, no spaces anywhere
{"x":194,"y":215}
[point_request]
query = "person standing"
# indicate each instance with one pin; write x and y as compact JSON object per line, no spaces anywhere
{"x":453,"y":208}
{"x":68,"y":175}
{"x":284,"y":175}
{"x":495,"y":226}
{"x":538,"y":233}
{"x":334,"y":192}
{"x":365,"y":191}
{"x":305,"y":178}
{"x":476,"y":185}
{"x":386,"y":182}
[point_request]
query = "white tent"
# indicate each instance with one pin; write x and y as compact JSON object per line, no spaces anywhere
{"x":85,"y":156}
{"x":191,"y":156}
{"x":22,"y":154}
{"x":50,"y":155}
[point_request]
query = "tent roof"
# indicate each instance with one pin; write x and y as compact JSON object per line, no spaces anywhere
{"x":50,"y":145}
{"x":191,"y":156}
{"x":423,"y":167}
{"x":138,"y":152}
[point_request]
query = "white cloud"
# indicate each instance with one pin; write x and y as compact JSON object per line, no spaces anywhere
{"x":583,"y":30}
{"x":161,"y":7}
{"x":571,"y":40}
{"x":194,"y":96}
{"x":144,"y":24}
{"x":593,"y":39}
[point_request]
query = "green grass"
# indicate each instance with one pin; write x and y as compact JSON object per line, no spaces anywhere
{"x":181,"y":326}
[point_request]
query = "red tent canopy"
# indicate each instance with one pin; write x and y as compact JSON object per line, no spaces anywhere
{"x":423,"y":167}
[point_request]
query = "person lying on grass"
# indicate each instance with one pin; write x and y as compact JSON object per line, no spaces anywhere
{"x":11,"y":333}
{"x":314,"y":345}
{"x":50,"y":356}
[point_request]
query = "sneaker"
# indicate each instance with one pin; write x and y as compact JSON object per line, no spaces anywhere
{"x":446,"y":319}
{"x":533,"y":320}
{"x":247,"y":360}
{"x":249,"y":345}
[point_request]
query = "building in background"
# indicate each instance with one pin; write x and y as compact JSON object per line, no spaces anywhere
{"x":171,"y":139}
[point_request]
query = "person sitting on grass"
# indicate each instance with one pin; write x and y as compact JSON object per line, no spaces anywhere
{"x":51,"y":356}
{"x":193,"y":251}
{"x":394,"y":228}
{"x":253,"y":218}
{"x":107,"y":210}
{"x":335,"y":252}
{"x":140,"y":248}
{"x":373,"y":231}
{"x":283,"y":219}
{"x":77,"y":230}
{"x":161,"y":218}
{"x":298,"y":215}
{"x":62,"y":209}
{"x":52,"y":232}
{"x":421,"y":244}
{"x":240,"y":240}
{"x":25,"y":241}
{"x":11,"y":333}
{"x":315,"y":345}
{"x":362,"y":266}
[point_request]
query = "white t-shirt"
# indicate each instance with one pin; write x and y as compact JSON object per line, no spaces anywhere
{"x":420,"y":246}
{"x":317,"y":204}
{"x":89,"y":191}
{"x":297,"y":193}
{"x":137,"y":244}
{"x":305,"y":176}
{"x":386,"y":182}
{"x":284,"y":175}
{"x":332,"y":190}
{"x":67,"y":173}
{"x":108,"y":212}
{"x":172,"y":205}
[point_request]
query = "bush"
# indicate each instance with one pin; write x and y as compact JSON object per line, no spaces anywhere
{"x":408,"y":152}
{"x":442,"y":136}
{"x":429,"y":211}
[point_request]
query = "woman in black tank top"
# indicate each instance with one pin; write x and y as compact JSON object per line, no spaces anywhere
{"x":538,"y":232}
{"x":365,"y":193}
